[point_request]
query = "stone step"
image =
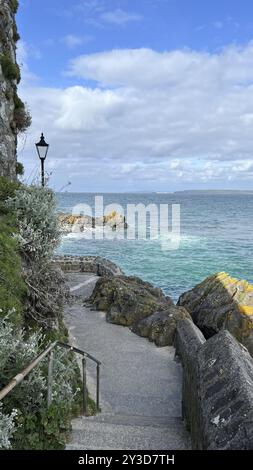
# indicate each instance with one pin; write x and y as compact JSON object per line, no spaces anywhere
{"x":110,"y":432}
{"x":129,"y":420}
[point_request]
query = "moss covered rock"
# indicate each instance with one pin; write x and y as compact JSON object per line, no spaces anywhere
{"x":222,"y":302}
{"x":161,"y":326}
{"x":128,"y":299}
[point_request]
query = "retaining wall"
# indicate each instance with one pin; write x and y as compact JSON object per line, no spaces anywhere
{"x":88,"y":264}
{"x":217,"y":399}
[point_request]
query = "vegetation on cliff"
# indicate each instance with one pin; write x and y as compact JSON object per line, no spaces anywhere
{"x":32,"y":296}
{"x":12,"y":286}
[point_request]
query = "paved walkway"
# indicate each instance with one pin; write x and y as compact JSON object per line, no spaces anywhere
{"x":140,"y":383}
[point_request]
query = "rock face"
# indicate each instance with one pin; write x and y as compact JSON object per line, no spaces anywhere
{"x":80,"y":223}
{"x":8,"y":84}
{"x":222,"y":302}
{"x":161,"y":327}
{"x":88,"y":264}
{"x":127,"y":300}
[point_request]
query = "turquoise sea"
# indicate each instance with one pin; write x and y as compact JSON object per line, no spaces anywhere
{"x":216,"y":235}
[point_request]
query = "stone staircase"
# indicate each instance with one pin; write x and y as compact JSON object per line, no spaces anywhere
{"x":140,"y":384}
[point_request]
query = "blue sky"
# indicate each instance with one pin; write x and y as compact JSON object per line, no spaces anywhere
{"x":156,"y":93}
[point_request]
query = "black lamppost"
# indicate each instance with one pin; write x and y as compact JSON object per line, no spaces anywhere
{"x":42,"y":149}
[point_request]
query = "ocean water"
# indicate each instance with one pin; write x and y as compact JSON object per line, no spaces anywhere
{"x":216,"y":235}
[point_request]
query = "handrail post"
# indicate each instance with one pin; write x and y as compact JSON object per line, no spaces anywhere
{"x":50,"y":378}
{"x":98,"y":384}
{"x":84,"y":387}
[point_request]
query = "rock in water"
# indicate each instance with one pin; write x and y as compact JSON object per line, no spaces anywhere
{"x":222,"y":302}
{"x":128,"y":299}
{"x":160,"y":327}
{"x":81,"y":223}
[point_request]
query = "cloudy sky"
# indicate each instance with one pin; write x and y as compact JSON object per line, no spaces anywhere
{"x":139,"y":94}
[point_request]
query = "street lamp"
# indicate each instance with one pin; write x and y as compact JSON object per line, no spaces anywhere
{"x":42,"y":149}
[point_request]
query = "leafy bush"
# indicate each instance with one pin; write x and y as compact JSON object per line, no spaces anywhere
{"x":20,"y":169}
{"x":22,"y":118}
{"x":7,"y":427}
{"x":7,"y":190}
{"x":38,"y":235}
{"x":35,"y":426}
{"x":12,"y":287}
{"x":10,"y":69}
{"x":14,"y":6}
{"x":16,"y":35}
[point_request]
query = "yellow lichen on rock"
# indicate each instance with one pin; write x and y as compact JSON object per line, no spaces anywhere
{"x":246,"y":309}
{"x":222,"y":301}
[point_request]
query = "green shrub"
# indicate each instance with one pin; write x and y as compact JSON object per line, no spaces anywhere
{"x":7,"y":428}
{"x":22,"y":118}
{"x":38,"y":236}
{"x":20,"y":169}
{"x":16,"y":35}
{"x":12,"y":286}
{"x":14,"y":6}
{"x":7,"y":190}
{"x":10,"y":69}
{"x":36,"y":426}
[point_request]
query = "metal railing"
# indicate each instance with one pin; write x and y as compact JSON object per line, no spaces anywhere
{"x":49,"y":351}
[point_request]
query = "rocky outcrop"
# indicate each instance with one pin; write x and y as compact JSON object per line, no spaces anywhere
{"x":127,"y":300}
{"x":222,"y":302}
{"x":161,"y":327}
{"x":88,"y":264}
{"x":13,"y":116}
{"x":81,"y":223}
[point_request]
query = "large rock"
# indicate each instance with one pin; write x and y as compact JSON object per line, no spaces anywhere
{"x":161,"y":327}
{"x":222,"y":302}
{"x":128,"y":299}
{"x":81,"y":223}
{"x":88,"y":264}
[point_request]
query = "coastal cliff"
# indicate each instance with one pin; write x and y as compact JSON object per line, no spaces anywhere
{"x":14,"y":117}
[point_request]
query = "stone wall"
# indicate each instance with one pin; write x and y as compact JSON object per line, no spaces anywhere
{"x":217,"y":389}
{"x":8,"y":134}
{"x":189,"y":340}
{"x":88,"y":264}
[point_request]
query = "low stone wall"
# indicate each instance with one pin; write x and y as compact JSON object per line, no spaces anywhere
{"x":189,"y":340}
{"x":217,"y":389}
{"x":88,"y":264}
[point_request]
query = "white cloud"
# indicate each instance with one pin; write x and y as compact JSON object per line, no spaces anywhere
{"x":72,"y":40}
{"x":119,"y":17}
{"x":153,"y":119}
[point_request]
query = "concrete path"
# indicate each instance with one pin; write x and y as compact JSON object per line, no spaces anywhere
{"x":140,"y":383}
